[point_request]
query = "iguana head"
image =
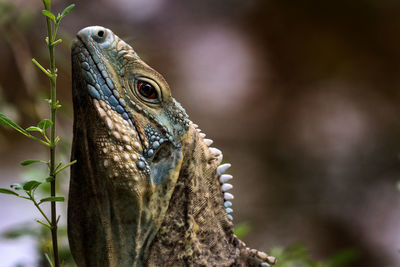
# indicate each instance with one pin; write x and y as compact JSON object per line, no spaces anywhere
{"x":145,"y":175}
{"x":133,"y":101}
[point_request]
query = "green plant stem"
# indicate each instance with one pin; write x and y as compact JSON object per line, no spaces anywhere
{"x":39,"y":208}
{"x":37,"y":139}
{"x":53,"y":109}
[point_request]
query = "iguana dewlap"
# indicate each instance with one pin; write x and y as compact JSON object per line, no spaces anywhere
{"x":147,"y":190}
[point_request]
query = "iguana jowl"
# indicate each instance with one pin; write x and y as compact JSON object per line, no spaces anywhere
{"x":148,"y":189}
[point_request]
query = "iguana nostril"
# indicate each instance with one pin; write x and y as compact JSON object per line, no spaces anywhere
{"x":100,"y":33}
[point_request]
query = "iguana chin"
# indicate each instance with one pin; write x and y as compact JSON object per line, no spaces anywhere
{"x":148,"y":189}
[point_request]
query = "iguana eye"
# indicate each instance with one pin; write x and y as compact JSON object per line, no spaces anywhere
{"x":147,"y":90}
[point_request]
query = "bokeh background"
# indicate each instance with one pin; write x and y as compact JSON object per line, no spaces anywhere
{"x":302,"y":97}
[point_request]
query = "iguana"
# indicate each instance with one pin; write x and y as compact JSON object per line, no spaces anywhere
{"x":147,"y":190}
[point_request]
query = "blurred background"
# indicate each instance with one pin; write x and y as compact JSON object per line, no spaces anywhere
{"x":302,"y":97}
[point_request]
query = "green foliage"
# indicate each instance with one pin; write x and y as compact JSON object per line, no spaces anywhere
{"x":6,"y":121}
{"x":44,"y":124}
{"x":48,"y":199}
{"x":31,"y":161}
{"x":29,"y":187}
{"x":8,"y":191}
{"x":298,"y":256}
{"x":65,"y":12}
{"x":49,"y":15}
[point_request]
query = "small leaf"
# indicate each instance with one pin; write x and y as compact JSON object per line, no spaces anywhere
{"x":8,"y":192}
{"x":48,"y":199}
{"x":47,"y":72}
{"x":57,"y":42}
{"x":65,"y":166}
{"x":29,"y":162}
{"x":66,"y":11}
{"x":49,"y":179}
{"x":6,"y":121}
{"x":49,"y":15}
{"x":31,"y":185}
{"x":33,"y":129}
{"x":44,"y":124}
{"x":43,"y":223}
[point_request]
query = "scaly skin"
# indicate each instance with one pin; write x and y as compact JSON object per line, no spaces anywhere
{"x":146,"y":190}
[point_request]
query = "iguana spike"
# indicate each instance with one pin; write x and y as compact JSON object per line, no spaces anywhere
{"x":222,"y":168}
{"x":208,"y":141}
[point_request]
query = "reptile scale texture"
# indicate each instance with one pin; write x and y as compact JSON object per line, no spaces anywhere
{"x":147,"y":190}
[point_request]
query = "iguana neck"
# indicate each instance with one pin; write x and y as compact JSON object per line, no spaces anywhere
{"x":196,"y":230}
{"x":196,"y":220}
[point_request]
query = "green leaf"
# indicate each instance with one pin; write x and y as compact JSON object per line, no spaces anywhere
{"x":30,"y":161}
{"x":66,"y":11}
{"x":6,"y":121}
{"x":33,"y":129}
{"x":31,"y":185}
{"x":49,"y":15}
{"x":40,"y":66}
{"x":65,"y":166}
{"x":43,"y":223}
{"x":44,"y":124}
{"x":57,"y":42}
{"x":48,"y":199}
{"x":8,"y":192}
